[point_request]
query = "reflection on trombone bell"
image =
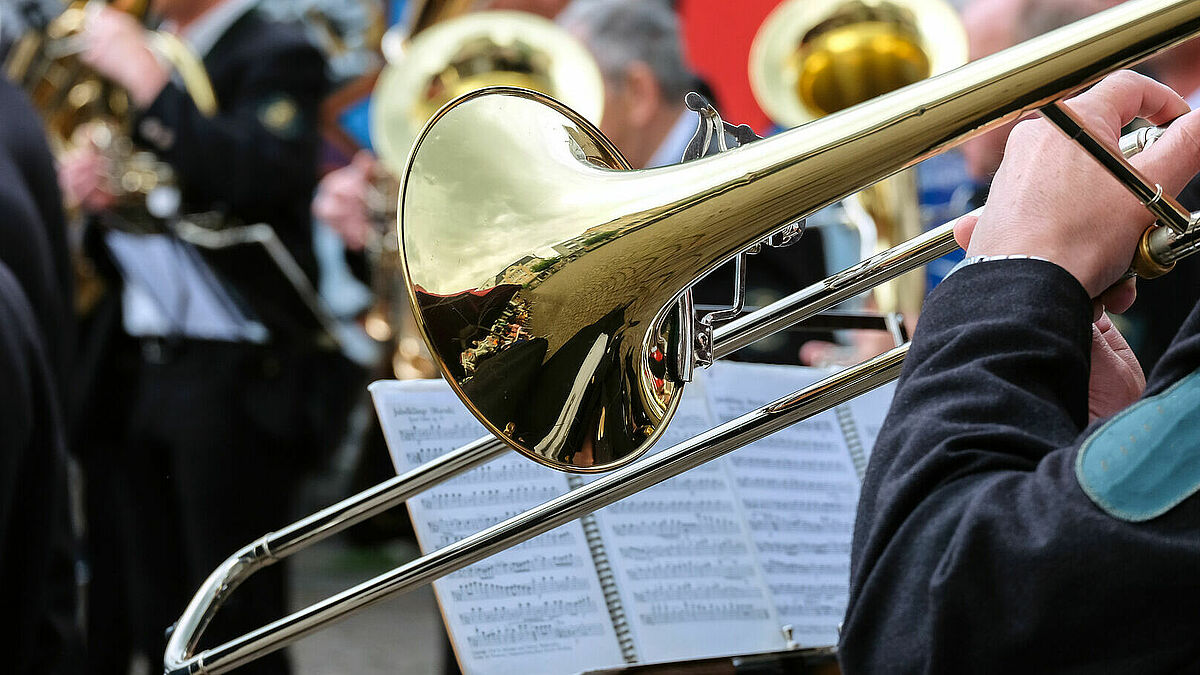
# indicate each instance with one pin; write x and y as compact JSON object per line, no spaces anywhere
{"x":598,"y":316}
{"x":448,"y":54}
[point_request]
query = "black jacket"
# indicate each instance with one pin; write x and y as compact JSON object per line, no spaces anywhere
{"x":37,"y":584}
{"x":976,"y":549}
{"x":256,"y":160}
{"x":32,"y":229}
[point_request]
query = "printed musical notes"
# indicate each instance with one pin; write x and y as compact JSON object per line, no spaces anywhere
{"x":510,"y":612}
{"x":798,"y":490}
{"x":681,"y":555}
{"x":712,"y":562}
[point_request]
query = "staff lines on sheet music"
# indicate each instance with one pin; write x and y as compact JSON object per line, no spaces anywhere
{"x":635,"y":505}
{"x":523,"y":633}
{"x":819,"y":525}
{"x":701,"y":548}
{"x":491,"y":569}
{"x":676,"y":527}
{"x":839,"y":546}
{"x":839,"y":569}
{"x":815,"y":594}
{"x":715,"y":591}
{"x":477,"y":590}
{"x":551,"y":539}
{"x":795,"y":485}
{"x":794,"y":505}
{"x":416,"y":434}
{"x":548,"y":610}
{"x":490,"y":497}
{"x":793,"y":611}
{"x":500,"y":473}
{"x":690,"y":570}
{"x":696,"y":612}
{"x":778,"y":464}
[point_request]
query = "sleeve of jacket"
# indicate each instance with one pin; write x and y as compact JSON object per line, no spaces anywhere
{"x":975,"y":548}
{"x":259,"y":151}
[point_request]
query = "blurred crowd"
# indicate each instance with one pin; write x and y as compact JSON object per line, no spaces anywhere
{"x":197,"y":370}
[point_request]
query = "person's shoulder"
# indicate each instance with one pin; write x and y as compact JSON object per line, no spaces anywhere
{"x":258,"y":35}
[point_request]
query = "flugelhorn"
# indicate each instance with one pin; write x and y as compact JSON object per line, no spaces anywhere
{"x":815,"y":57}
{"x":764,"y":182}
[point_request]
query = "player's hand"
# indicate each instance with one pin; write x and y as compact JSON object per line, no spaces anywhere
{"x":1116,"y":379}
{"x":82,"y":175}
{"x":1050,"y":199}
{"x":341,"y":201}
{"x":117,"y":48}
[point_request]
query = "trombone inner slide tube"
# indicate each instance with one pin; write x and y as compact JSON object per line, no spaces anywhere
{"x":543,"y":273}
{"x":815,"y":399}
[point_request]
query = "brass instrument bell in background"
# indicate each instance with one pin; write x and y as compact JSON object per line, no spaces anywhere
{"x":812,"y":58}
{"x":79,"y":107}
{"x":447,"y":56}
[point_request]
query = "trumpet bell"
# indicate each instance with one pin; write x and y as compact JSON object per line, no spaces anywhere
{"x":571,"y":392}
{"x":470,"y":52}
{"x":811,"y":58}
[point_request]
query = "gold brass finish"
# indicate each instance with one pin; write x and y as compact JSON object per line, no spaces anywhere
{"x":473,"y":51}
{"x":540,"y":272}
{"x":444,"y":58}
{"x":693,"y":213}
{"x":80,"y":107}
{"x":1147,"y":262}
{"x":811,"y":58}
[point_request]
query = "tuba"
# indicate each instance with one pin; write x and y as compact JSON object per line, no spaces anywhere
{"x":449,"y":54}
{"x":81,"y":108}
{"x":816,"y":57}
{"x":604,"y":304}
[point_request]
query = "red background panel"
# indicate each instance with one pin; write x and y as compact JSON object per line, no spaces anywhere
{"x":717,"y":36}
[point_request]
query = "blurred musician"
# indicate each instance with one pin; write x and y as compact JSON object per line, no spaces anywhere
{"x":37,"y":551}
{"x":222,"y":415}
{"x":997,"y":529}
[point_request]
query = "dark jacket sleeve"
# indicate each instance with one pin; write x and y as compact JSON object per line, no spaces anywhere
{"x":975,"y":548}
{"x":257,"y":156}
{"x":37,"y":585}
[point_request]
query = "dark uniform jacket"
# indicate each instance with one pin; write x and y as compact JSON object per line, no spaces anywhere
{"x":995,"y":532}
{"x":37,"y":584}
{"x":256,"y":160}
{"x":32,"y":228}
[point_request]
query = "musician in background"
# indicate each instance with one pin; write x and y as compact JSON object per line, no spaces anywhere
{"x":224,"y":412}
{"x":38,"y":589}
{"x":639,"y":48}
{"x":1027,"y":504}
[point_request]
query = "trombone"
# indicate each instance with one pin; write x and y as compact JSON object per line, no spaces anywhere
{"x":767,"y":184}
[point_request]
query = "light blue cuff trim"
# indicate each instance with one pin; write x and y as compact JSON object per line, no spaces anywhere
{"x":1145,"y":460}
{"x":989,"y":258}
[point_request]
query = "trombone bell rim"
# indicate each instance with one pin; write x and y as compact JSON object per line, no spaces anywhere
{"x":774,"y":74}
{"x":571,"y":74}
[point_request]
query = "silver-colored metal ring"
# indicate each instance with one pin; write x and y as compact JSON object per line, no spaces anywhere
{"x":1158,"y":193}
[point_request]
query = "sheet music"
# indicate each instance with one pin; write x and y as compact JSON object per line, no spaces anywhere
{"x":683,"y":559}
{"x":798,"y":490}
{"x":530,"y":609}
{"x":869,"y":411}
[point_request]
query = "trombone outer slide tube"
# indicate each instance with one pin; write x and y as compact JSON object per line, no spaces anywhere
{"x":275,"y":546}
{"x":817,"y":398}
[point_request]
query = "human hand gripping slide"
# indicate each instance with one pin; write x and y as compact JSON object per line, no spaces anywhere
{"x":1051,"y":200}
